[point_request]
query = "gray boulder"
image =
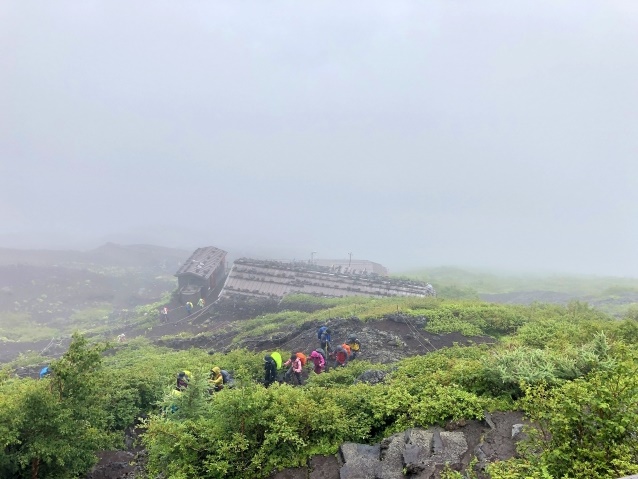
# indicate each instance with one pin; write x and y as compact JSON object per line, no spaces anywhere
{"x":371,"y":376}
{"x":420,"y":453}
{"x":360,"y":461}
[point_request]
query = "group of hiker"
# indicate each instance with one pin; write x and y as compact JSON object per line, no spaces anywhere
{"x":189,"y":305}
{"x":189,"y":309}
{"x":218,"y":379}
{"x":319,"y":358}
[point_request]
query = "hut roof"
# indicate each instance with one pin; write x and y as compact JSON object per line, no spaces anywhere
{"x":202,"y":262}
{"x":272,"y":279}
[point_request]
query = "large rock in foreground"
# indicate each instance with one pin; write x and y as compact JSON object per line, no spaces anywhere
{"x":416,"y":453}
{"x":422,"y":453}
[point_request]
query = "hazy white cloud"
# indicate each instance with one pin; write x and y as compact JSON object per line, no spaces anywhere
{"x":484,"y":133}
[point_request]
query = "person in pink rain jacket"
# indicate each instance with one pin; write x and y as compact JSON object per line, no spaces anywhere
{"x":318,"y":361}
{"x":295,"y":368}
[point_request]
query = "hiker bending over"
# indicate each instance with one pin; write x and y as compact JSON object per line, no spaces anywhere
{"x":341,"y":357}
{"x":355,"y":346}
{"x":348,"y":350}
{"x":324,"y":355}
{"x":216,"y":379}
{"x":183,"y":378}
{"x":318,"y":361}
{"x":295,"y":368}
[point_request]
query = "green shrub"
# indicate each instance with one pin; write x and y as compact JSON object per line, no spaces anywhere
{"x":588,"y":428}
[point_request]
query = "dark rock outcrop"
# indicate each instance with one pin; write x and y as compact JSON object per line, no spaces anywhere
{"x":371,"y":376}
{"x":418,"y":453}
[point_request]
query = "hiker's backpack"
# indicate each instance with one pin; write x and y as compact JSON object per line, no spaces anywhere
{"x":322,"y":352}
{"x":277,"y":357}
{"x":302,"y":358}
{"x":226,"y":377}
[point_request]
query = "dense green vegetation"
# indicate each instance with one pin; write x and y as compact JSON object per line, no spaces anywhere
{"x":571,"y":368}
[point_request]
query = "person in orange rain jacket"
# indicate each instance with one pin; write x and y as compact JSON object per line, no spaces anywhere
{"x":348,"y":349}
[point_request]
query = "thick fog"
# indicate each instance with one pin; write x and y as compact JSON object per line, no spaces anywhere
{"x":478,"y":133}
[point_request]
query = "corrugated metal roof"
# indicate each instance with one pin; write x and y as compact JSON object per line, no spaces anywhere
{"x":276,"y":279}
{"x":354,"y":265}
{"x":202,"y":262}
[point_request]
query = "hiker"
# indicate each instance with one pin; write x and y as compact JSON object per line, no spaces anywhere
{"x":430,"y":290}
{"x":164,"y":314}
{"x":341,"y":356}
{"x":201,"y":303}
{"x":348,"y":350}
{"x":219,"y":379}
{"x":323,"y":334}
{"x":183,"y":378}
{"x":325,"y":358}
{"x":322,"y":353}
{"x":295,"y":368}
{"x":45,"y":371}
{"x":121,"y":338}
{"x":302,"y":358}
{"x":318,"y":360}
{"x":270,"y":370}
{"x":189,"y":307}
{"x":354,"y":344}
{"x":216,"y":380}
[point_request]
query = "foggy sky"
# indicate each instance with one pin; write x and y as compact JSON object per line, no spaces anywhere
{"x":411,"y":133}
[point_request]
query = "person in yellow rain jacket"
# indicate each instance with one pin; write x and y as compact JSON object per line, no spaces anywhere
{"x":216,"y":379}
{"x":355,"y":346}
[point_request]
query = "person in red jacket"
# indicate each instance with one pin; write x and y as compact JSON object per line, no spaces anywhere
{"x":341,"y":357}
